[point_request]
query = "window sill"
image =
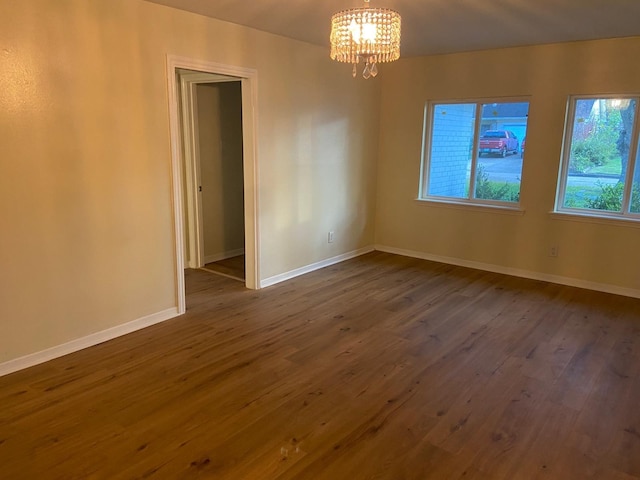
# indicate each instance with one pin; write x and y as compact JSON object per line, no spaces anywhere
{"x":595,"y":218}
{"x":462,"y":205}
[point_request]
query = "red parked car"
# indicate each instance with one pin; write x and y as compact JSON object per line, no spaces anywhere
{"x":498,"y":142}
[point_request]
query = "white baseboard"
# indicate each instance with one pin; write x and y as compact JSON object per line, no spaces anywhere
{"x":111,"y":333}
{"x":314,"y":266}
{"x":84,"y":342}
{"x":571,"y":282}
{"x":216,"y":257}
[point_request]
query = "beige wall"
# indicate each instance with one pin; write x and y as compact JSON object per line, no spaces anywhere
{"x":602,"y":253}
{"x":220,"y":145}
{"x":86,"y":223}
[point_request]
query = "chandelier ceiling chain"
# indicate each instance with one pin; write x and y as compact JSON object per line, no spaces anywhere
{"x":370,"y":35}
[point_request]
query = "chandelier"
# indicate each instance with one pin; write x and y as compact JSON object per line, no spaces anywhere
{"x":371,"y":35}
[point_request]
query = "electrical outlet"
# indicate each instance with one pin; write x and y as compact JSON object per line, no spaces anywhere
{"x":331,"y":237}
{"x":553,"y":251}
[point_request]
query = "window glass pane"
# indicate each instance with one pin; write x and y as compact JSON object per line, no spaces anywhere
{"x":451,"y":152}
{"x":599,"y":153}
{"x":635,"y":193}
{"x":503,"y":129}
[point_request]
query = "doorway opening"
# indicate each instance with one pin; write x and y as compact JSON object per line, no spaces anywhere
{"x":211,"y":110}
{"x":213,"y":157}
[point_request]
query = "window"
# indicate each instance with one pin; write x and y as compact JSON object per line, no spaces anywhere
{"x":472,"y":151}
{"x":600,"y":172}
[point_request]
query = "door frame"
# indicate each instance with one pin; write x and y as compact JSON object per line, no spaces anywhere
{"x":249,"y":79}
{"x":191,"y":151}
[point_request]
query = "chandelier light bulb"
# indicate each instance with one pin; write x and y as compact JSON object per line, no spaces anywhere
{"x":370,"y":35}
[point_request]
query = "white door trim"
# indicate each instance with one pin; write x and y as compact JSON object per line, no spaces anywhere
{"x":191,"y":154}
{"x":249,"y":80}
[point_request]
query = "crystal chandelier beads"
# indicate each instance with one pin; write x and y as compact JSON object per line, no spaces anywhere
{"x":371,"y":35}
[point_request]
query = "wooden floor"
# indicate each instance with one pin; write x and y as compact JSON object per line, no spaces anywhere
{"x":381,"y":367}
{"x":231,"y":267}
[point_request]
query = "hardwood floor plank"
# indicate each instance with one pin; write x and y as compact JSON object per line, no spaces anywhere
{"x":380,"y":367}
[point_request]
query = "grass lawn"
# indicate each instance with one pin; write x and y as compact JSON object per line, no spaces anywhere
{"x":577,"y":197}
{"x":612,"y":167}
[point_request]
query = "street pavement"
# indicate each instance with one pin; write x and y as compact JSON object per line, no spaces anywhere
{"x":509,"y":169}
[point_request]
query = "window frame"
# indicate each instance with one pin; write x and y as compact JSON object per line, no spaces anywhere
{"x":425,"y":160}
{"x":563,"y":173}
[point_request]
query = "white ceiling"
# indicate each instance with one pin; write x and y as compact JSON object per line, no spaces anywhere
{"x":439,"y":26}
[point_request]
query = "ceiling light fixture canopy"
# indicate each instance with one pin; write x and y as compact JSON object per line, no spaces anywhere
{"x":371,"y":35}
